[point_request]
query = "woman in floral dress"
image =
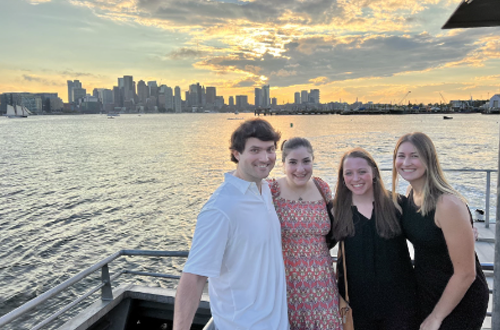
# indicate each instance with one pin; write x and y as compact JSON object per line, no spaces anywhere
{"x":312,"y":293}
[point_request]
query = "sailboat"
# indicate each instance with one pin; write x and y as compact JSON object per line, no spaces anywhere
{"x":17,"y":111}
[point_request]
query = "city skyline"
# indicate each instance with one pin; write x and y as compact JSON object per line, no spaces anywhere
{"x":372,"y":51}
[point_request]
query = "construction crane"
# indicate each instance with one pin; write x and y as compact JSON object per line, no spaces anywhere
{"x":442,"y":97}
{"x":401,"y":102}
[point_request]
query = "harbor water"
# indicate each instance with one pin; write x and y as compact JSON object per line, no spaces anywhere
{"x":74,"y":189}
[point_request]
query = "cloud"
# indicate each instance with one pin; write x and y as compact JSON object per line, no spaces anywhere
{"x":37,"y":2}
{"x":283,"y":73}
{"x":293,"y":42}
{"x":35,"y":79}
{"x":319,"y":80}
{"x":184,"y":53}
{"x":320,"y":60}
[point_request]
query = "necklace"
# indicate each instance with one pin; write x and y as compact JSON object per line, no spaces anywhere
{"x":300,"y":199}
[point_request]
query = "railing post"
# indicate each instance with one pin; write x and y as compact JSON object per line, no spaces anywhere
{"x":487,"y":211}
{"x":106,"y":291}
{"x":495,"y":312}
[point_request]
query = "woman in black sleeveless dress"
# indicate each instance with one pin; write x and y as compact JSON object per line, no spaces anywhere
{"x":381,"y":283}
{"x":453,"y":293}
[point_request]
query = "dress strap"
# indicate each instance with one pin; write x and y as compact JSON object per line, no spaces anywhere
{"x":275,"y":188}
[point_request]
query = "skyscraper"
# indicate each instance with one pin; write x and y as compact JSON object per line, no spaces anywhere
{"x":78,"y":93}
{"x":314,"y":96}
{"x":266,"y":96}
{"x":193,"y":95}
{"x":304,"y":97}
{"x":241,"y":101}
{"x":297,"y":98}
{"x":142,"y":91}
{"x":169,"y":98}
{"x":153,"y":90}
{"x":258,"y":97}
{"x":177,"y":99}
{"x":128,"y":88}
{"x":71,"y":85}
{"x":231,"y":101}
{"x":117,"y":99}
{"x":211,"y":95}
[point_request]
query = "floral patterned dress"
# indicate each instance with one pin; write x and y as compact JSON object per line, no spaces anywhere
{"x":312,"y":293}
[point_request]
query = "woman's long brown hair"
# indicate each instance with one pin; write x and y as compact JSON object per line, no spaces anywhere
{"x":385,"y":211}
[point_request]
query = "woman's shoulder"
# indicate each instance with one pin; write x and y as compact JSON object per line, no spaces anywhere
{"x":321,"y":182}
{"x":450,"y":203}
{"x":448,"y":200}
{"x":450,"y":210}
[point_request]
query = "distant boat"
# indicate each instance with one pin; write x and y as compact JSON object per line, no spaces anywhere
{"x":447,"y":117}
{"x":17,"y":111}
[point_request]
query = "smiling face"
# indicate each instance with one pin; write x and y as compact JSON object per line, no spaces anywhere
{"x":298,"y":166}
{"x":256,"y":161}
{"x":358,"y":176}
{"x":408,"y":163}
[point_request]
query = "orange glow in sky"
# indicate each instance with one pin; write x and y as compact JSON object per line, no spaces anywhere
{"x":348,"y":49}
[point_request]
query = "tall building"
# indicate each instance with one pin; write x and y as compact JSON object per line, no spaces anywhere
{"x":200,"y":92}
{"x":203,"y":100}
{"x":274,"y":101}
{"x":71,"y":85}
{"x":193,"y":95}
{"x":153,"y":90}
{"x":142,"y":91}
{"x":266,"y":96}
{"x":77,"y":94}
{"x":169,"y":98}
{"x":117,"y":98}
{"x":219,"y":102}
{"x":211,"y":94}
{"x":297,"y":98}
{"x":128,"y":88}
{"x":241,"y":101}
{"x":258,"y":97}
{"x":177,"y":99}
{"x":105,"y":96}
{"x":231,"y":101}
{"x":314,"y":96}
{"x":304,"y":97}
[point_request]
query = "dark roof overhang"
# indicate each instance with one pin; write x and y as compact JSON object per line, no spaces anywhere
{"x":475,"y":13}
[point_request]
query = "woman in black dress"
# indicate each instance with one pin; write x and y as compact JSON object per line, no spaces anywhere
{"x":381,"y":283}
{"x":452,"y":289}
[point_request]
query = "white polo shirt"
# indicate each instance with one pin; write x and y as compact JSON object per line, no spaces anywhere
{"x":237,"y":245}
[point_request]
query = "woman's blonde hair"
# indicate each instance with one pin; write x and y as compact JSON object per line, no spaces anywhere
{"x":435,"y":182}
{"x":386,"y":216}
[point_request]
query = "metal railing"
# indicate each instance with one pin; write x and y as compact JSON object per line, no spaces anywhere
{"x":487,"y":191}
{"x":105,"y":285}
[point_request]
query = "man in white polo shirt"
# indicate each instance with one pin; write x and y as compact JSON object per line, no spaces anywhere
{"x":237,"y":243}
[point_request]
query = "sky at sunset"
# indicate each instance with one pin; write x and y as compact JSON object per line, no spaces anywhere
{"x":373,"y":50}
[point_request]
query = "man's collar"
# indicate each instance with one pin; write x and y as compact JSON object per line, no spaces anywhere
{"x":240,"y":184}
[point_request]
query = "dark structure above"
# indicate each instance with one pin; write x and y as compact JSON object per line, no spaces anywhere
{"x":475,"y":13}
